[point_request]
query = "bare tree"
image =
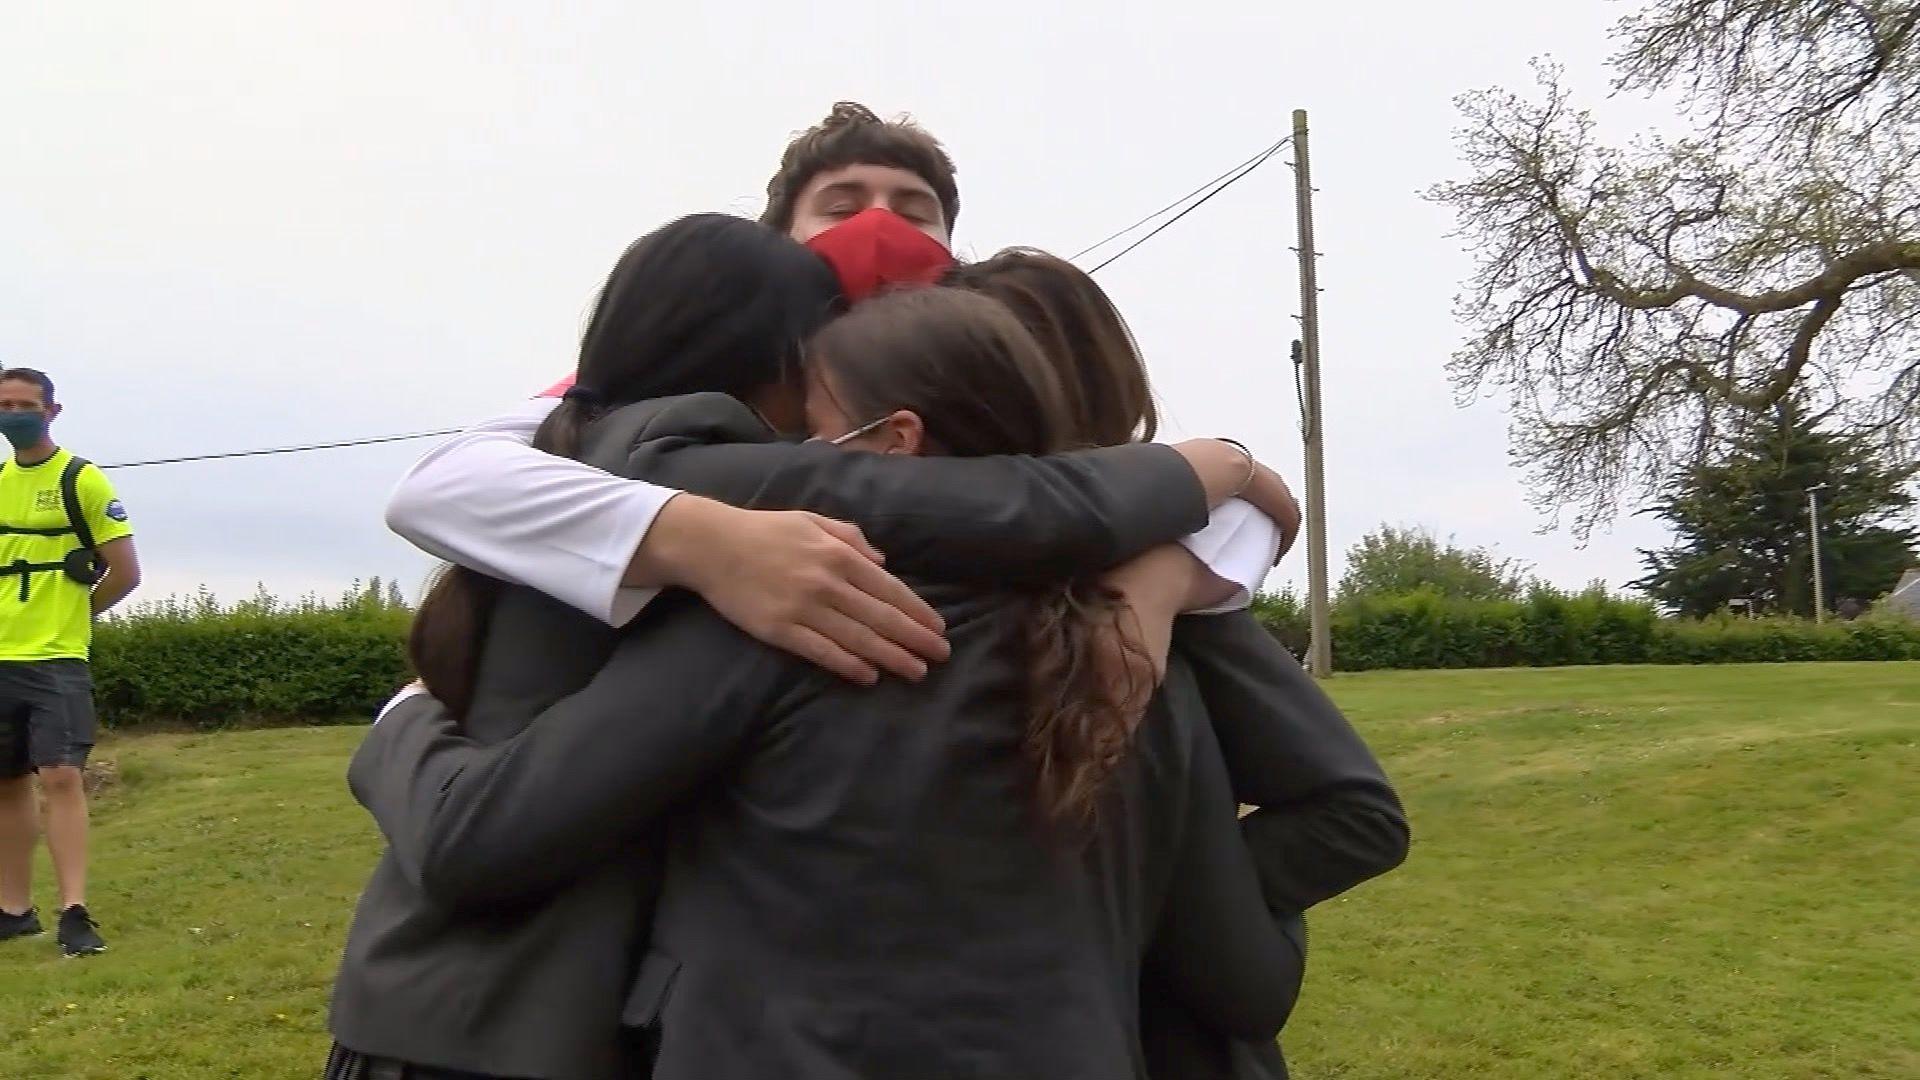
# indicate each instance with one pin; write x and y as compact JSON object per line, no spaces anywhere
{"x":1633,"y":301}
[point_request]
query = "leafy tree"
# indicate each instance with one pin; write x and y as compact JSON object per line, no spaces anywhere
{"x":1743,"y":529}
{"x":1394,"y":561}
{"x":1634,"y":303}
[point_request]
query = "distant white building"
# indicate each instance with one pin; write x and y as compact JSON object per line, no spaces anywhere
{"x":1905,"y":597}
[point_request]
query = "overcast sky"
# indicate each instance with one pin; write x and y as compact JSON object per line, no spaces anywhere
{"x":229,"y":225}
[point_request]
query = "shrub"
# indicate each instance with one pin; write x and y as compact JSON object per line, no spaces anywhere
{"x":1284,"y":614}
{"x":1424,"y":629}
{"x":1391,"y":561}
{"x":1727,"y":640}
{"x":198,"y":662}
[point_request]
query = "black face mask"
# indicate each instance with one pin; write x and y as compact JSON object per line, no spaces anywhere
{"x":23,"y":429}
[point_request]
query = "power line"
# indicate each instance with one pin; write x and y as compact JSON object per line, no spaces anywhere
{"x":1232,"y":179}
{"x":1198,"y":197}
{"x":1262,"y":155}
{"x":285,"y":449}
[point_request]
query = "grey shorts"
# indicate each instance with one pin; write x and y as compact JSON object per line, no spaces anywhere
{"x":46,"y":715}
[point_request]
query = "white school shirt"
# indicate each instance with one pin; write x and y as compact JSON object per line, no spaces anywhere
{"x":487,"y":500}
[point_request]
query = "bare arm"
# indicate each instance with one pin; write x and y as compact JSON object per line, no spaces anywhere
{"x":1158,"y":586}
{"x":122,"y":577}
{"x":1222,"y":469}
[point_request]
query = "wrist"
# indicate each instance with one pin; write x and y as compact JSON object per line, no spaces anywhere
{"x":1215,"y":464}
{"x":1253,"y":465}
{"x":679,"y":548}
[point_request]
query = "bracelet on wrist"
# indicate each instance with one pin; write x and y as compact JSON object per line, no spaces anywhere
{"x":1253,"y":465}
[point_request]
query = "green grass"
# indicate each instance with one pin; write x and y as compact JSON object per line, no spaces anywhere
{"x":226,"y":869}
{"x":1622,"y":873}
{"x":1633,"y":873}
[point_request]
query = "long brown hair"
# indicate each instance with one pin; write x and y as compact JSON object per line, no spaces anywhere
{"x":1081,"y":332}
{"x":982,"y":386}
{"x":707,"y":303}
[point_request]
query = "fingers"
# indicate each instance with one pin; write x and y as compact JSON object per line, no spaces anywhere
{"x":855,"y":638}
{"x":814,"y":587}
{"x":821,"y":652}
{"x":850,"y":534}
{"x":885,"y":603}
{"x":876,"y":618}
{"x":890,"y":591}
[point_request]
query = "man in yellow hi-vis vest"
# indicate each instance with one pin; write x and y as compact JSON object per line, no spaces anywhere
{"x":66,"y":555}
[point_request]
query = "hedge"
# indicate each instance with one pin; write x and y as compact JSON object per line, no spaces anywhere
{"x":199,"y":663}
{"x":1552,"y":629}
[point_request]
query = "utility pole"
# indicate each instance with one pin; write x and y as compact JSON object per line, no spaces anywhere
{"x":1320,"y":651}
{"x":1819,"y":583}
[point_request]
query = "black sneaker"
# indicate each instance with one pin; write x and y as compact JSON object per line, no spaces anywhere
{"x":79,"y":933}
{"x":27,"y":925}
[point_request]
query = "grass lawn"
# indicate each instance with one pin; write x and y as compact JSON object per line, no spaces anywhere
{"x":1621,"y":873}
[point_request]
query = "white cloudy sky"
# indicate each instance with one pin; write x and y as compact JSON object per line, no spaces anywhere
{"x":229,"y":225}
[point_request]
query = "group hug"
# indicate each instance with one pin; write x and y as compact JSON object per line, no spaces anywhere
{"x":832,"y":679}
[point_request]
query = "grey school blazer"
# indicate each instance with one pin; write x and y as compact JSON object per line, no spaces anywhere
{"x":856,"y":884}
{"x":1327,"y":820}
{"x":530,"y":982}
{"x":1330,"y":821}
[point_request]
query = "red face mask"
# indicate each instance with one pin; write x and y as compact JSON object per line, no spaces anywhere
{"x":876,"y":249}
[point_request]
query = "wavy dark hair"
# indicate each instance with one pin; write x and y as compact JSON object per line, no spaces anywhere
{"x":1081,"y":332}
{"x":981,"y":386}
{"x":709,"y":302}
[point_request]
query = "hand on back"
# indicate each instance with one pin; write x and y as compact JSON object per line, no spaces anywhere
{"x":805,"y":584}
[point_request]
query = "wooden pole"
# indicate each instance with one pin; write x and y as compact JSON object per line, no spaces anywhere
{"x":1320,"y":651}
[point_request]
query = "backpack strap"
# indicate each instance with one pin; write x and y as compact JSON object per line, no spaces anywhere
{"x":83,"y":564}
{"x":70,"y":495}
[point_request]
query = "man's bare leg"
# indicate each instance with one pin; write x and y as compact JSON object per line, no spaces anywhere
{"x":19,"y":829}
{"x":66,"y":795}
